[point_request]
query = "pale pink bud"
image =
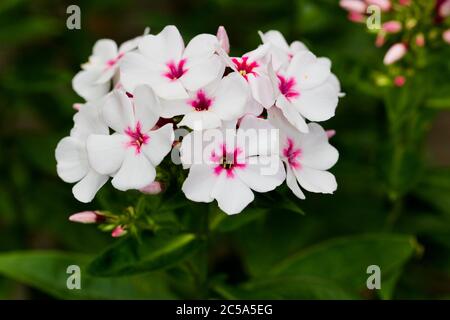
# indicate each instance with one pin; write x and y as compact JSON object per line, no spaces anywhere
{"x":395,"y":53}
{"x":353,"y":5}
{"x":420,"y":40}
{"x":118,"y":232}
{"x":384,"y":5}
{"x":153,"y":188}
{"x":446,"y":36}
{"x":330,"y":133}
{"x":399,"y":81}
{"x":77,"y":106}
{"x":222,"y":36}
{"x":444,"y":9}
{"x":392,"y":26}
{"x":87,"y":217}
{"x":379,"y":41}
{"x":356,"y":17}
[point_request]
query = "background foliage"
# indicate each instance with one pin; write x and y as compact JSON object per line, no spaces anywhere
{"x":393,"y":213}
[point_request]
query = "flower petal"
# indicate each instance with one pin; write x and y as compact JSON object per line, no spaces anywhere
{"x":264,"y":175}
{"x":308,"y":71}
{"x":105,"y":49}
{"x":135,"y":69}
{"x":168,"y":45}
{"x":262,"y":89}
{"x":136,"y":172}
{"x":118,"y":111}
{"x":201,"y":46}
{"x":319,"y":103}
{"x":172,"y":108}
{"x":146,"y":107}
{"x":106,"y":153}
{"x":232,"y":194}
{"x":292,"y":114}
{"x":159,"y":144}
{"x":200,"y":73}
{"x":200,"y":120}
{"x":84,"y":84}
{"x":72,"y":164}
{"x":292,"y":183}
{"x":170,"y":89}
{"x":199,"y":183}
{"x":87,"y":187}
{"x":316,"y":180}
{"x":231,"y":97}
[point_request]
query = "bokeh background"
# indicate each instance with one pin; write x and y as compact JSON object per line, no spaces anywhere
{"x":38,"y":58}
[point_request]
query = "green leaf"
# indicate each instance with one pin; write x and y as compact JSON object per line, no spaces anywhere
{"x":152,"y":252}
{"x":435,"y":189}
{"x":345,"y":260}
{"x":47,"y":271}
{"x":295,"y":287}
{"x":225,"y":223}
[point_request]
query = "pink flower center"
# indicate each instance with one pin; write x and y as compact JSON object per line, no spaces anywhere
{"x":111,"y":62}
{"x":137,"y":137}
{"x":286,"y":87}
{"x":201,"y":101}
{"x":292,"y":154}
{"x":175,"y":70}
{"x":226,"y":161}
{"x":244,"y":67}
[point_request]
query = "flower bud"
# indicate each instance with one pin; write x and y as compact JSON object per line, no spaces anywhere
{"x":353,"y":5}
{"x":118,"y":232}
{"x":330,"y":133}
{"x":77,"y":106}
{"x":420,"y":40}
{"x":446,"y":36}
{"x":354,"y":16}
{"x":153,"y":188}
{"x":379,"y":41}
{"x":87,"y":217}
{"x":444,"y":9}
{"x":395,"y":53}
{"x":392,"y":26}
{"x":399,"y":81}
{"x":222,"y":36}
{"x":385,"y":5}
{"x":404,"y":2}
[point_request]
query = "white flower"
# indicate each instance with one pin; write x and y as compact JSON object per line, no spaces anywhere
{"x":280,"y":51}
{"x":231,"y":168}
{"x":71,"y":155}
{"x":252,"y":67}
{"x":134,"y":150}
{"x":206,"y":108}
{"x":307,"y":156}
{"x":168,"y":67}
{"x":94,"y":81}
{"x":306,"y":89}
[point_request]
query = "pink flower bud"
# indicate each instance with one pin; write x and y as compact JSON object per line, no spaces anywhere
{"x":222,"y":36}
{"x":379,"y":41}
{"x":118,"y":232}
{"x":87,"y":217}
{"x":399,"y":81}
{"x":444,"y":9}
{"x":392,"y":26}
{"x":353,"y":5}
{"x":385,"y":5}
{"x":77,"y":106}
{"x":420,"y":40}
{"x":330,"y":133}
{"x":153,"y":188}
{"x":404,"y":2}
{"x":395,"y":53}
{"x":356,"y":17}
{"x":446,"y":36}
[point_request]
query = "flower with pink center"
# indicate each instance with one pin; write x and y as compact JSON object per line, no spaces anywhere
{"x":252,"y":67}
{"x":94,"y":81}
{"x":131,"y":154}
{"x":233,"y":163}
{"x":206,"y":108}
{"x":306,"y":89}
{"x":172,"y":70}
{"x":71,"y":153}
{"x":279,"y":50}
{"x":307,"y":156}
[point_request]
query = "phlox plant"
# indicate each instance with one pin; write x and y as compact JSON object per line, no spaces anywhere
{"x":177,"y":124}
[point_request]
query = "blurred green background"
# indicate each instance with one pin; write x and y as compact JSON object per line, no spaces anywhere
{"x":342,"y":233}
